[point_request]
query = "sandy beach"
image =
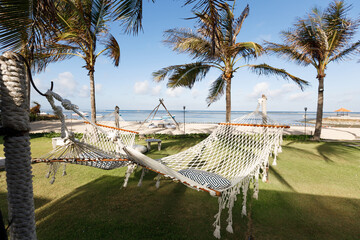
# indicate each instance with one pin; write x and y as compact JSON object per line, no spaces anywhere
{"x":328,"y":133}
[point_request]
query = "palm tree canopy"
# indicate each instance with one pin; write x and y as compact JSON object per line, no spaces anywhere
{"x":83,"y":24}
{"x":130,"y":12}
{"x":320,"y":38}
{"x":198,"y":45}
{"x":25,"y":21}
{"x":26,"y":26}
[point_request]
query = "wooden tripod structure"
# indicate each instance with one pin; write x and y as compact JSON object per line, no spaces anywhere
{"x":155,"y":110}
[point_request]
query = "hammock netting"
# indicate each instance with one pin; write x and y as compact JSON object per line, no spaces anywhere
{"x":99,"y":147}
{"x":225,"y":162}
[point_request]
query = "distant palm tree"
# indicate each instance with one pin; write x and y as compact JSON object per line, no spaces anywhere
{"x":84,"y":25}
{"x":227,"y":53}
{"x":319,"y":39}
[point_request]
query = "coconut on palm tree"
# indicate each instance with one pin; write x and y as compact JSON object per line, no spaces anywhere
{"x":318,"y":39}
{"x":198,"y":44}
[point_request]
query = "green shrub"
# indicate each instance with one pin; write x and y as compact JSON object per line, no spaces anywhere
{"x":297,"y":137}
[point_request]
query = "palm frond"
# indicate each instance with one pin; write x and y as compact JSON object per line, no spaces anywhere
{"x":99,"y":15}
{"x":290,"y":52}
{"x":248,"y":50}
{"x":182,"y":75}
{"x":347,"y":53}
{"x":216,"y":90}
{"x":264,"y":69}
{"x":226,"y":24}
{"x":339,"y":28}
{"x":210,"y":9}
{"x":53,"y":53}
{"x":25,"y":23}
{"x":239,"y":21}
{"x":130,"y":13}
{"x":113,"y":49}
{"x":184,"y":40}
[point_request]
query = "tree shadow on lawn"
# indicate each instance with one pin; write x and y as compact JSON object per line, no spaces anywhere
{"x":99,"y":210}
{"x":322,"y":155}
{"x":328,"y":151}
{"x":39,"y":202}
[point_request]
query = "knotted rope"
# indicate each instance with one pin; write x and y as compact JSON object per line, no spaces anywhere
{"x":15,"y":117}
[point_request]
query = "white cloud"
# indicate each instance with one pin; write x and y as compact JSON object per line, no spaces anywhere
{"x":300,"y":96}
{"x":264,"y":88}
{"x":195,"y":93}
{"x":174,"y":92}
{"x":98,"y":88}
{"x":141,"y":87}
{"x":156,"y":90}
{"x":84,"y":91}
{"x":64,"y":84}
{"x":259,"y":89}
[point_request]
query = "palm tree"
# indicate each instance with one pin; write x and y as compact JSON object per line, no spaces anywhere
{"x":319,"y":39}
{"x":130,"y":13}
{"x":226,"y":55}
{"x":84,"y":25}
{"x":24,"y":26}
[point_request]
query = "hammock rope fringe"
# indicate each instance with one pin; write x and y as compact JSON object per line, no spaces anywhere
{"x":99,"y":147}
{"x":225,"y":163}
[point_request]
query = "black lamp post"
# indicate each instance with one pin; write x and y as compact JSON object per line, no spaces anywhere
{"x":305,"y":119}
{"x":184,"y":117}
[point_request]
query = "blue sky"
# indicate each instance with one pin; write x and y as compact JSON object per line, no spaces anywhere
{"x":130,"y":85}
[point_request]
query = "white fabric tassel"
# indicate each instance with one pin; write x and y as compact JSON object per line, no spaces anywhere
{"x":47,"y":175}
{"x":229,"y":228}
{"x":232,"y":199}
{"x":141,"y":177}
{"x":264,"y":172}
{"x":276,"y":150}
{"x":129,"y":171}
{"x":274,"y":162}
{"x":64,"y":170}
{"x":245,"y":188}
{"x":217,"y":232}
{"x":217,"y":217}
{"x":256,"y":185}
{"x":158,"y":181}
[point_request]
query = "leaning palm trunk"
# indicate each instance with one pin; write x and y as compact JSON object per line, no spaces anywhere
{"x":320,"y":106}
{"x":15,"y":120}
{"x":228,"y":100}
{"x":92,"y":96}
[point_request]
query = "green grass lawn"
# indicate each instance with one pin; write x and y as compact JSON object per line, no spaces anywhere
{"x":313,"y":193}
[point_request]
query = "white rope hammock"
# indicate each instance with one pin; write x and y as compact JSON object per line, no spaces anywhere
{"x":100,"y":146}
{"x":226,"y":161}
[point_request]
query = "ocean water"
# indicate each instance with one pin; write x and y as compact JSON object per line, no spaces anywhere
{"x":194,"y":116}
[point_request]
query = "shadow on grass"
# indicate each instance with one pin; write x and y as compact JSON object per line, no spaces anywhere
{"x":282,"y":180}
{"x":322,"y":150}
{"x":327,"y":151}
{"x":39,"y":202}
{"x":99,"y":210}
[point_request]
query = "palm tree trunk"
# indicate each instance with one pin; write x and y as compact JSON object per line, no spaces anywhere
{"x":228,"y":99}
{"x":15,"y":121}
{"x":320,"y":106}
{"x":92,"y":96}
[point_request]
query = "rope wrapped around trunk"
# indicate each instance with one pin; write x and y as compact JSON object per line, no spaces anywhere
{"x":15,"y":118}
